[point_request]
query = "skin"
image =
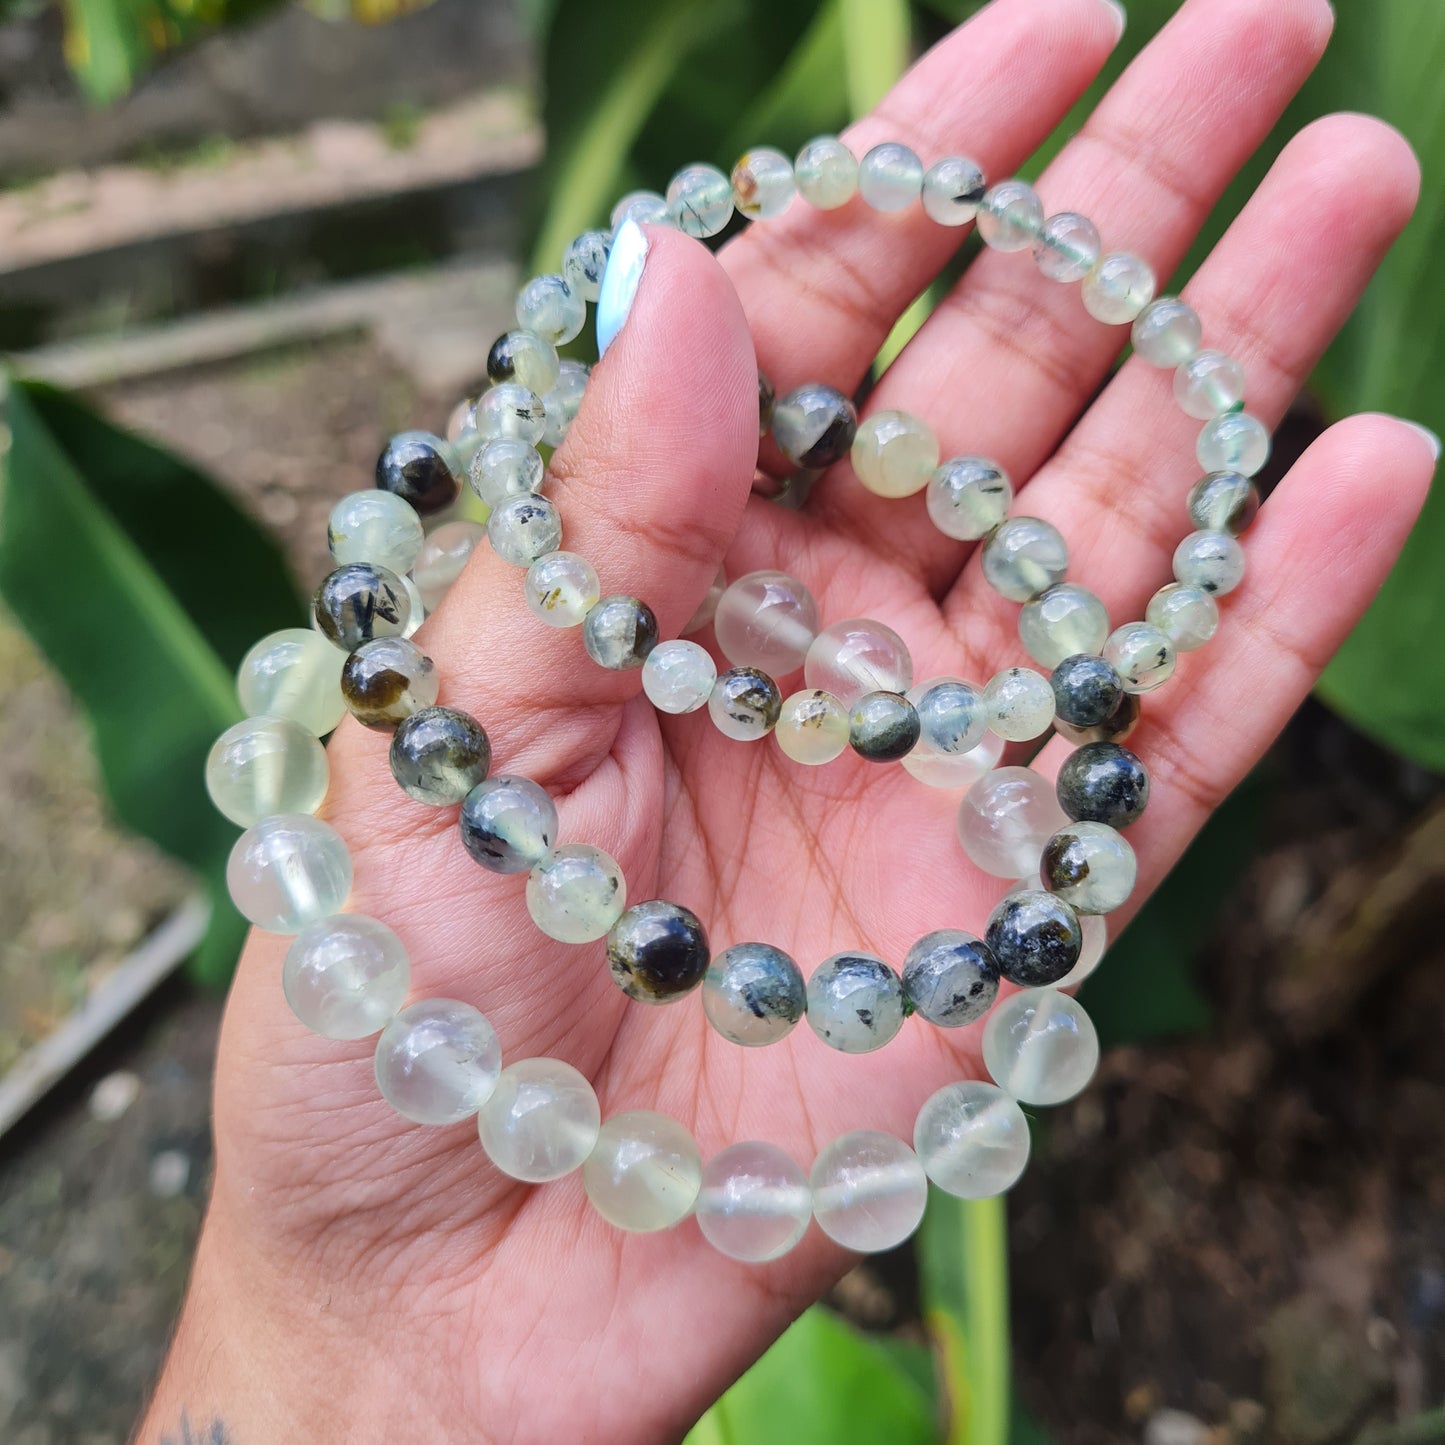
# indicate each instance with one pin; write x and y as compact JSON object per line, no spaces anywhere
{"x":360,"y":1278}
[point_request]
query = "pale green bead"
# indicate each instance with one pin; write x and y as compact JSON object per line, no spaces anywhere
{"x":1010,"y":215}
{"x":754,"y":1204}
{"x":952,"y":715}
{"x":700,"y":200}
{"x":1090,"y":866}
{"x":295,"y":674}
{"x":561,"y":589}
{"x":437,"y":1062}
{"x":564,"y":401}
{"x":1223,"y":502}
{"x":417,"y":613}
{"x":855,"y":1002}
{"x":869,"y":1191}
{"x":523,"y":357}
{"x":522,"y":529}
{"x":826,"y":172}
{"x":582,"y":266}
{"x":287,"y":871}
{"x":763,"y":185}
{"x":1141,"y":654}
{"x":968,"y":497}
{"x":812,"y":727}
{"x":1040,"y":1046}
{"x":505,"y":467}
{"x":644,"y":1172}
{"x":952,"y":190}
{"x":766,"y":620}
{"x":509,"y":410}
{"x":1211,"y":561}
{"x":678,"y":676}
{"x":955,"y":770}
{"x":1167,"y":332}
{"x":375,"y":526}
{"x":541,"y":1121}
{"x":1068,"y":247}
{"x":1188,"y":616}
{"x":444,"y":556}
{"x":647,"y":208}
{"x":855,"y":656}
{"x":1020,"y":704}
{"x":266,"y":765}
{"x":890,"y":177}
{"x":576,"y":893}
{"x":1209,"y":384}
{"x":345,"y":977}
{"x":1119,"y":287}
{"x":972,"y":1139}
{"x":894,"y":453}
{"x":1091,"y":955}
{"x":1025,"y":556}
{"x":548,"y":307}
{"x":1006,"y":818}
{"x":1235,"y":442}
{"x":753,"y":994}
{"x":1064,"y":621}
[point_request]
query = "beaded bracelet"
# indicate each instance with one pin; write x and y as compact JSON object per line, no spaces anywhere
{"x":438,"y":1061}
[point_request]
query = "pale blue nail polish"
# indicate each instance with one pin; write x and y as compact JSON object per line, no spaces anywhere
{"x":619,"y":282}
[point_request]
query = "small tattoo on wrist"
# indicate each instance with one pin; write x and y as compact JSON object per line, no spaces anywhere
{"x":213,"y":1434}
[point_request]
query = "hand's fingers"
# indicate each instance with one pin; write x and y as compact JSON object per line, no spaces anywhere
{"x":1147,"y":168}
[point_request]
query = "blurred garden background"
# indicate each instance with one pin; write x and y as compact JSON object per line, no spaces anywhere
{"x":263,"y":236}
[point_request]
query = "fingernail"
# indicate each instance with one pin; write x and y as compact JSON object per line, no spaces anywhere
{"x":1121,"y":18}
{"x":619,"y":282}
{"x":1427,"y":434}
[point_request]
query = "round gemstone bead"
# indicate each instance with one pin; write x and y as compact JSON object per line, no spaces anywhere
{"x":512,"y":412}
{"x":1020,"y":704}
{"x":856,"y":656}
{"x":953,"y":190}
{"x":1209,"y":384}
{"x":972,"y":1139}
{"x":1103,"y":783}
{"x":1034,"y":937}
{"x":508,"y":824}
{"x":952,"y":715}
{"x":421,"y":469}
{"x":883,"y":727}
{"x":869,"y":1191}
{"x":561,"y":589}
{"x":1142,"y":656}
{"x":745,"y":704}
{"x":950,"y":978}
{"x":1210,"y":561}
{"x":346,"y":976}
{"x":561,"y":405}
{"x":766,"y":620}
{"x":1010,"y":215}
{"x":812,"y":727}
{"x":968,"y":497}
{"x":1086,"y":690}
{"x":754,"y":1204}
{"x":288,"y":870}
{"x":360,"y":601}
{"x":1064,"y":621}
{"x":541,"y":1122}
{"x":438,"y":755}
{"x":678,"y":676}
{"x":1040,"y":1046}
{"x":1024,"y":556}
{"x":954,"y":770}
{"x":1167,"y":332}
{"x":827,"y":173}
{"x":1091,"y":867}
{"x":522,"y":529}
{"x":644,"y":1172}
{"x":1006,"y":818}
{"x":700,"y":200}
{"x":1114,"y":729}
{"x":1096,"y":940}
{"x":583,"y":263}
{"x":576,"y":893}
{"x":374,"y":526}
{"x":437,"y":1062}
{"x":894,"y":453}
{"x":386,"y":680}
{"x":1188,"y":616}
{"x":1223,"y":502}
{"x":294,"y":674}
{"x":753,"y":994}
{"x":814,"y":425}
{"x":418,"y":608}
{"x":505,"y":467}
{"x":548,"y":307}
{"x":647,"y":208}
{"x":1235,"y":442}
{"x":855,"y":1002}
{"x":1067,"y":247}
{"x":523,"y":357}
{"x":707,"y":608}
{"x":763,"y":184}
{"x":657,"y":951}
{"x":443,"y":557}
{"x":1119,"y":287}
{"x":890,"y":177}
{"x":619,"y":632}
{"x":265,"y":765}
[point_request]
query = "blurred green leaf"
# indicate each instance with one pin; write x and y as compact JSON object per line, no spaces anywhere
{"x":876,"y":40}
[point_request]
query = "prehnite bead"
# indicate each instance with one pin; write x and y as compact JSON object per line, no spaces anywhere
{"x":508,"y":824}
{"x":287,"y":871}
{"x":548,"y":307}
{"x":576,"y":893}
{"x":1142,"y":656}
{"x":953,"y":190}
{"x":678,"y":676}
{"x":375,"y":526}
{"x":523,"y":357}
{"x":541,"y":1122}
{"x":1064,"y":621}
{"x":386,"y":680}
{"x":437,"y":1062}
{"x":814,"y":425}
{"x":561,"y":405}
{"x":954,"y":770}
{"x":561,"y":589}
{"x":754,"y":1204}
{"x":1020,"y":704}
{"x":950,"y":978}
{"x":1034,"y":937}
{"x":644,"y":1171}
{"x":1188,"y":616}
{"x":1118,"y":289}
{"x":1091,"y":867}
{"x":1103,"y":783}
{"x":855,"y":1002}
{"x":883,"y":727}
{"x":972,"y":1139}
{"x":763,"y":184}
{"x":521,"y":529}
{"x":826,"y":172}
{"x":894,"y":453}
{"x":1024,"y":557}
{"x":1096,"y":940}
{"x":1114,"y":729}
{"x":869,"y":1191}
{"x":745,"y":704}
{"x":512,"y":411}
{"x":421,"y":469}
{"x":1210,"y":561}
{"x":707,"y":608}
{"x":1223,"y":502}
{"x":360,"y":601}
{"x":856,"y":656}
{"x":619,"y":631}
{"x":346,"y":976}
{"x":952,"y":715}
{"x":812,"y":727}
{"x":583,"y":263}
{"x":1086,"y":690}
{"x":766,"y":620}
{"x":1067,"y":247}
{"x":1235,"y":442}
{"x":265,"y":765}
{"x":1010,"y":215}
{"x":890,"y":177}
{"x":295,"y":674}
{"x":505,"y":467}
{"x":657,"y":951}
{"x":1167,"y":332}
{"x":1006,"y":818}
{"x":439,"y":754}
{"x":968,"y":497}
{"x":1209,"y":384}
{"x":1040,"y":1046}
{"x":647,"y":208}
{"x":700,"y":200}
{"x":753,"y":994}
{"x":418,"y":608}
{"x":443,"y":557}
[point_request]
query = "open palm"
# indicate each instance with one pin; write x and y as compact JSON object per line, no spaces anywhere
{"x":398,"y":1276}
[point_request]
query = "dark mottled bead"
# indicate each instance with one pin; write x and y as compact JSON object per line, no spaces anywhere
{"x":657,"y":951}
{"x":439,"y":754}
{"x":360,"y":601}
{"x":753,"y":994}
{"x":1086,"y":690}
{"x":950,"y":978}
{"x":386,"y":680}
{"x":1034,"y":937}
{"x":745,"y":703}
{"x":419,"y":468}
{"x":814,"y":425}
{"x":1103,"y":783}
{"x":883,"y":727}
{"x":767,"y":397}
{"x":619,"y":631}
{"x":1114,"y":729}
{"x":1223,"y":502}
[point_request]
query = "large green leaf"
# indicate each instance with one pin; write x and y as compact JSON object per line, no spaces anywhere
{"x":143,"y":584}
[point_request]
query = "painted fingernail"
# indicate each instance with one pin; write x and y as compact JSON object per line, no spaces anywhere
{"x":1427,"y":434}
{"x":619,"y":282}
{"x":1121,"y":17}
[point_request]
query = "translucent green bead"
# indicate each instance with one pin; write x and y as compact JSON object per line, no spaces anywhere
{"x":647,"y":208}
{"x":754,"y":1204}
{"x":1186,"y":615}
{"x":522,"y":529}
{"x":386,"y":680}
{"x":1090,"y":866}
{"x":1064,"y":621}
{"x":952,"y":715}
{"x":508,"y":824}
{"x":1223,"y":502}
{"x":523,"y":357}
{"x":295,"y":674}
{"x":358,"y":602}
{"x":444,"y":556}
{"x":763,"y":184}
{"x":1010,"y":215}
{"x":1167,"y":332}
{"x":1067,"y":247}
{"x":678,"y":676}
{"x":548,"y":307}
{"x":438,"y":1061}
{"x":814,"y":425}
{"x":418,"y":608}
{"x":826,"y":172}
{"x":968,"y":497}
{"x":1141,"y":654}
{"x":346,"y":976}
{"x":1235,"y":442}
{"x":744,"y":704}
{"x":952,"y":190}
{"x":894,"y":453}
{"x":505,"y":467}
{"x":576,"y":893}
{"x":266,"y":765}
{"x":1040,"y":1046}
{"x":1119,"y":287}
{"x":883,"y":727}
{"x":561,"y":589}
{"x":1211,"y":561}
{"x":953,"y":770}
{"x":1005,"y":819}
{"x":1020,"y":704}
{"x":541,"y":1122}
{"x":890,"y":177}
{"x":812,"y":727}
{"x":564,"y":401}
{"x":1209,"y":384}
{"x":439,"y":755}
{"x":1024,"y":557}
{"x":375,"y":526}
{"x":753,"y":994}
{"x":700,"y":200}
{"x":510,"y":410}
{"x":766,"y":620}
{"x":287,"y":871}
{"x":972,"y":1139}
{"x":582,"y":267}
{"x":855,"y":1002}
{"x":644,"y":1171}
{"x":855,"y":656}
{"x":869,"y":1191}
{"x":619,"y":632}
